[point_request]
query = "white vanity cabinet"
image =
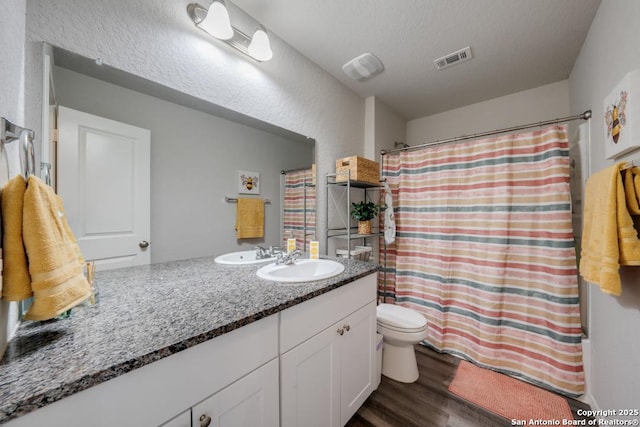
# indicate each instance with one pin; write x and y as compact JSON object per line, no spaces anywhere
{"x":327,"y":356}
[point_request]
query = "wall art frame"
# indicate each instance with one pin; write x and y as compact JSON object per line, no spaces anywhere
{"x":248,"y":182}
{"x":621,"y":124}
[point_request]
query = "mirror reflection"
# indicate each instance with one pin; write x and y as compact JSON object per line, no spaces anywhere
{"x":197,"y":153}
{"x":299,"y":207}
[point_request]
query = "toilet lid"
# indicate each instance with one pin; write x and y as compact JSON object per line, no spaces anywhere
{"x":399,"y":317}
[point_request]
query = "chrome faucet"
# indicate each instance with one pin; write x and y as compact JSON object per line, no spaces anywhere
{"x":274,"y":250}
{"x":262,"y":253}
{"x":288,"y":259}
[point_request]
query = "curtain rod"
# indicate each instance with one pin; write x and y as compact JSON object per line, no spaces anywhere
{"x":584,"y":116}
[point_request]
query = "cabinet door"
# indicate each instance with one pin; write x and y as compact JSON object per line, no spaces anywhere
{"x":252,"y":401}
{"x":310,"y":382}
{"x":182,"y":420}
{"x":357,"y":359}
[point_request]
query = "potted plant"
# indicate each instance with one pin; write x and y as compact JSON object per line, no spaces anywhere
{"x":364,"y":213}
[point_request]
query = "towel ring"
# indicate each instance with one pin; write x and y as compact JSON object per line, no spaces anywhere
{"x":9,"y":133}
{"x":27,"y":153}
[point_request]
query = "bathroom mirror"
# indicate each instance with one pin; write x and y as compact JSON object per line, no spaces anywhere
{"x":197,"y":153}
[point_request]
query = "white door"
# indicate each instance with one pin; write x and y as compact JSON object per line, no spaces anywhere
{"x":104,"y":181}
{"x":252,"y":401}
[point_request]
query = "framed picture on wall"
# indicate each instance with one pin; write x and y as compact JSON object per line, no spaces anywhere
{"x":248,"y":182}
{"x":620,"y":124}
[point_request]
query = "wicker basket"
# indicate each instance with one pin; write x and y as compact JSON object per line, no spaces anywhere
{"x":361,"y":169}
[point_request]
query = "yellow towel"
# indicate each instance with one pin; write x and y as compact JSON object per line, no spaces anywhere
{"x":55,"y":261}
{"x":632,"y":189}
{"x":608,"y":236}
{"x":15,"y":275}
{"x":250,"y":218}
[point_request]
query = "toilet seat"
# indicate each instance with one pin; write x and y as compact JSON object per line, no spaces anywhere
{"x":400,"y":319}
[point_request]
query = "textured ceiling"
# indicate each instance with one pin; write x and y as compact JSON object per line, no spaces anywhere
{"x":516,"y":44}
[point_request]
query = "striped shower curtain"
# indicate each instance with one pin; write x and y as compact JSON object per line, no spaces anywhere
{"x":299,"y":207}
{"x":485,"y":250}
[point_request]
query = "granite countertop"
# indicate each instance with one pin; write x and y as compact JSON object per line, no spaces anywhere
{"x":143,"y":314}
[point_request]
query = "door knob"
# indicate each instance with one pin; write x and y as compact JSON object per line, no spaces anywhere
{"x":340,"y":331}
{"x":143,"y":244}
{"x":205,"y":420}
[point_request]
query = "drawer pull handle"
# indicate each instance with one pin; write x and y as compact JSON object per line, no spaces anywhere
{"x":205,"y":420}
{"x":340,"y":331}
{"x":347,"y":327}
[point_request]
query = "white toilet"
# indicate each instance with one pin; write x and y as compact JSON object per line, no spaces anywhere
{"x":401,"y":329}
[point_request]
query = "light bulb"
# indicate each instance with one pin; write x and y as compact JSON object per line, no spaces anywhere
{"x":260,"y":48}
{"x":217,"y":22}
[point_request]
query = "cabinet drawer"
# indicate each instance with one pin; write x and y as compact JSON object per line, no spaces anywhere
{"x":305,"y":320}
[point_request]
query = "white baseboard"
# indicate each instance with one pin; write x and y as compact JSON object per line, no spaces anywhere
{"x":587,"y":397}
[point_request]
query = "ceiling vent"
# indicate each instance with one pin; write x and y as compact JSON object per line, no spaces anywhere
{"x":453,"y":58}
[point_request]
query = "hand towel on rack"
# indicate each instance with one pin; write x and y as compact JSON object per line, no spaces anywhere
{"x":15,"y":275}
{"x":55,"y":260}
{"x":608,"y":236}
{"x":250,"y":218}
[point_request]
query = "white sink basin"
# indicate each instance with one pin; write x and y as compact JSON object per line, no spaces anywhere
{"x":304,"y":270}
{"x":241,"y":258}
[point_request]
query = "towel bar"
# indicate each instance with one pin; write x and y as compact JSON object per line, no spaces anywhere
{"x":235,"y":200}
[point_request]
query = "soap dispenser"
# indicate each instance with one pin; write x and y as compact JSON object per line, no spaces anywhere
{"x":291,"y":242}
{"x":314,"y":249}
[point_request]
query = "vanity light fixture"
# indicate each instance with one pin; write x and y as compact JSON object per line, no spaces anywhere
{"x":260,"y":48}
{"x":215,"y":22}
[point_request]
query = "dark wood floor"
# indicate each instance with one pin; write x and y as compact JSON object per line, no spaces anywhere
{"x":428,"y":402}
